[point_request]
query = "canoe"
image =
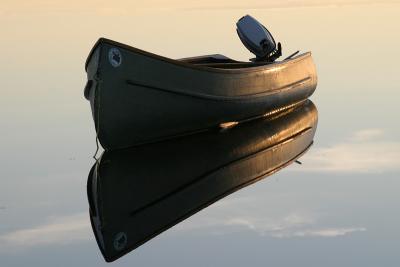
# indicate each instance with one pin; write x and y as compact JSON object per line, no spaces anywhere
{"x":138,"y":97}
{"x":136,"y":193}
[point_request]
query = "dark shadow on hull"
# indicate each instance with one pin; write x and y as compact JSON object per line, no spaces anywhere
{"x":137,"y":193}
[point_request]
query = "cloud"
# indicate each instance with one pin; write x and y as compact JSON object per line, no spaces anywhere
{"x":258,"y":4}
{"x":292,"y":225}
{"x":330,"y":232}
{"x":365,"y":151}
{"x":367,"y":135}
{"x":269,"y":225}
{"x":127,"y":8}
{"x":61,"y":230}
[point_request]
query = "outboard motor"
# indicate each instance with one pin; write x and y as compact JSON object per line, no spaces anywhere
{"x":258,"y":39}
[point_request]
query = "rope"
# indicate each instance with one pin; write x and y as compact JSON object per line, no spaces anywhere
{"x":97,"y":88}
{"x":97,"y":150}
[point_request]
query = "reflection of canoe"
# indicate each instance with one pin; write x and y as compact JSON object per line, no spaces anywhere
{"x":138,"y":97}
{"x":137,"y":193}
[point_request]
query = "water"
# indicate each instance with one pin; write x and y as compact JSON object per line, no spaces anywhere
{"x":340,"y":207}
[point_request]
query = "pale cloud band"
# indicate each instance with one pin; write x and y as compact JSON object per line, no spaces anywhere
{"x":301,"y":227}
{"x":76,"y":229}
{"x":291,"y":226}
{"x":259,"y":4}
{"x":61,"y":230}
{"x":320,"y":232}
{"x":233,"y":215}
{"x":127,"y":8}
{"x":366,"y":151}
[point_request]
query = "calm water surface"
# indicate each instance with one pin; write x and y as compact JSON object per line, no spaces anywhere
{"x":339,"y":208}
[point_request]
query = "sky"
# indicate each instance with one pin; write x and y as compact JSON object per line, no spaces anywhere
{"x":338,"y":208}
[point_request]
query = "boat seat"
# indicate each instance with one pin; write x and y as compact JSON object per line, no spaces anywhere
{"x":215,"y":58}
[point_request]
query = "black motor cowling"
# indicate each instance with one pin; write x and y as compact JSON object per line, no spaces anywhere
{"x":258,"y":39}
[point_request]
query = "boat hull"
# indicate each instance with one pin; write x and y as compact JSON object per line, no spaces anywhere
{"x":137,"y":193}
{"x":148,"y":97}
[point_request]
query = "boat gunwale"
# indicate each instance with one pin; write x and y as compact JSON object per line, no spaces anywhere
{"x":256,"y":68}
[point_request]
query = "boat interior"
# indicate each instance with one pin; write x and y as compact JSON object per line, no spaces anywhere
{"x":224,"y":62}
{"x":221,"y":62}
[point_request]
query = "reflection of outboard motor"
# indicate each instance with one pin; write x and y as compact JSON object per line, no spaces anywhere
{"x":258,"y":39}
